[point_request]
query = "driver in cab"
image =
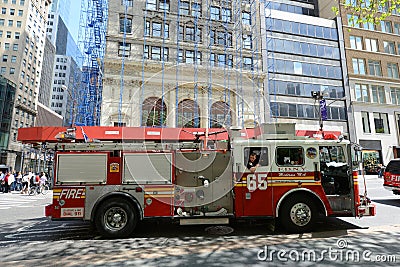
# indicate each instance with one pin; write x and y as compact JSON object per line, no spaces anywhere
{"x":253,"y":162}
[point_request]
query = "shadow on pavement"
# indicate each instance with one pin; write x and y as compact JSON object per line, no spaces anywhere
{"x":389,"y":202}
{"x":43,"y":229}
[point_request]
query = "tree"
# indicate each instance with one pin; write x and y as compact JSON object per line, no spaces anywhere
{"x":372,"y":11}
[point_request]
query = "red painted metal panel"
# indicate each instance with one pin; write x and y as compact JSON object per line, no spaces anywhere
{"x":103,"y":133}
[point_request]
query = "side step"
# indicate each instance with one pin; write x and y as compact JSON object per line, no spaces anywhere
{"x":196,"y":221}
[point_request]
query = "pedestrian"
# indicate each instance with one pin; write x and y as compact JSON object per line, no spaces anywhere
{"x":25,"y":183}
{"x":6,"y":187}
{"x":1,"y":181}
{"x":11,"y":180}
{"x":18,"y":182}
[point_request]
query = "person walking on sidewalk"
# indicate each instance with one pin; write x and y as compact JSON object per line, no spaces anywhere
{"x":25,"y":183}
{"x":2,"y":181}
{"x":11,"y":180}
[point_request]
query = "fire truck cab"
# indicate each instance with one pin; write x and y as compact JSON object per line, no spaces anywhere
{"x":202,"y":176}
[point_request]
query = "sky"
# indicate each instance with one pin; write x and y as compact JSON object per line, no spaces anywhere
{"x":74,"y":18}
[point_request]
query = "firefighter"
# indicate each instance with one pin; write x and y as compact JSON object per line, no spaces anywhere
{"x":253,"y":162}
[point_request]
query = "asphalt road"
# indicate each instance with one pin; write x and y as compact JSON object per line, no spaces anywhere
{"x":29,"y":239}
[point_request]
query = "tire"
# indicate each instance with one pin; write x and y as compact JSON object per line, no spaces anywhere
{"x":32,"y":191}
{"x":298,"y":214}
{"x":116,"y":218}
{"x":45,"y":189}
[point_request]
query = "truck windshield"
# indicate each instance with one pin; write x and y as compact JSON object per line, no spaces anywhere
{"x":331,"y":154}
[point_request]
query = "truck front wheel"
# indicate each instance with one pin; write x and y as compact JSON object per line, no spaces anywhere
{"x":116,"y":218}
{"x":298,"y":214}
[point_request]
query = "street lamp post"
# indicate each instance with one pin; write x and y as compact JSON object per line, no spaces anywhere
{"x":322,"y":112}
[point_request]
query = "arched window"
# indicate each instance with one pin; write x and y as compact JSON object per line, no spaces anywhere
{"x":154,"y":112}
{"x":220,"y":115}
{"x":188,"y":114}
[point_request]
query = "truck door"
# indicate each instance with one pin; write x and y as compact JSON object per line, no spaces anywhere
{"x":337,"y":178}
{"x":253,"y":195}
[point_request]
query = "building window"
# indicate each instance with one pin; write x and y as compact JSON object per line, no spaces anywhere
{"x":154,"y":112}
{"x":220,"y":38}
{"x":352,"y":21}
{"x":221,"y":60}
{"x":187,"y":33}
{"x":127,"y":2}
{"x":356,"y":42}
{"x":15,"y":47}
{"x":188,"y":114}
{"x":374,"y":67}
{"x":395,"y":95}
{"x":386,"y":26}
{"x":378,"y":94}
{"x":214,"y":13}
{"x":188,"y":56}
{"x":369,"y":26}
{"x":358,"y":66}
{"x":125,"y":25}
{"x":17,"y":35}
{"x":371,"y":45}
{"x":3,"y":10}
{"x":5,"y":58}
{"x":1,"y":22}
{"x":246,"y":19}
{"x":389,"y":47}
{"x":151,"y":4}
{"x":381,"y":123}
{"x":220,"y":115}
{"x":154,"y":53}
{"x":393,"y":70}
{"x":362,"y":93}
{"x":248,"y":63}
{"x":184,"y":8}
{"x":10,"y":23}
{"x":3,"y":70}
{"x":247,"y":43}
{"x":12,"y":70}
{"x":154,"y":29}
{"x":163,"y":5}
{"x":124,"y":50}
{"x":365,"y":122}
{"x":226,"y":14}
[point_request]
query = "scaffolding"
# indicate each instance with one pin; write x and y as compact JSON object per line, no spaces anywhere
{"x":216,"y":34}
{"x":92,"y":41}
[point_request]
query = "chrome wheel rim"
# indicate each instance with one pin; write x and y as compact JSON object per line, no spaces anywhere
{"x":300,"y":214}
{"x":115,"y":218}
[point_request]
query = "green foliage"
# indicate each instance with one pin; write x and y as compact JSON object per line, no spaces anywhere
{"x":369,"y":11}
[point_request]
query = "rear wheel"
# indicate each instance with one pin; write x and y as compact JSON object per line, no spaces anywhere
{"x":32,"y":191}
{"x":298,"y":214}
{"x":116,"y":218}
{"x":45,"y":189}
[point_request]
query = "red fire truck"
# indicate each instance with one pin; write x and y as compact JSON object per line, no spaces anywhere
{"x":116,"y":176}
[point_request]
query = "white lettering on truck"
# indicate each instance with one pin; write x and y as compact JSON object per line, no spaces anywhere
{"x":72,"y":193}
